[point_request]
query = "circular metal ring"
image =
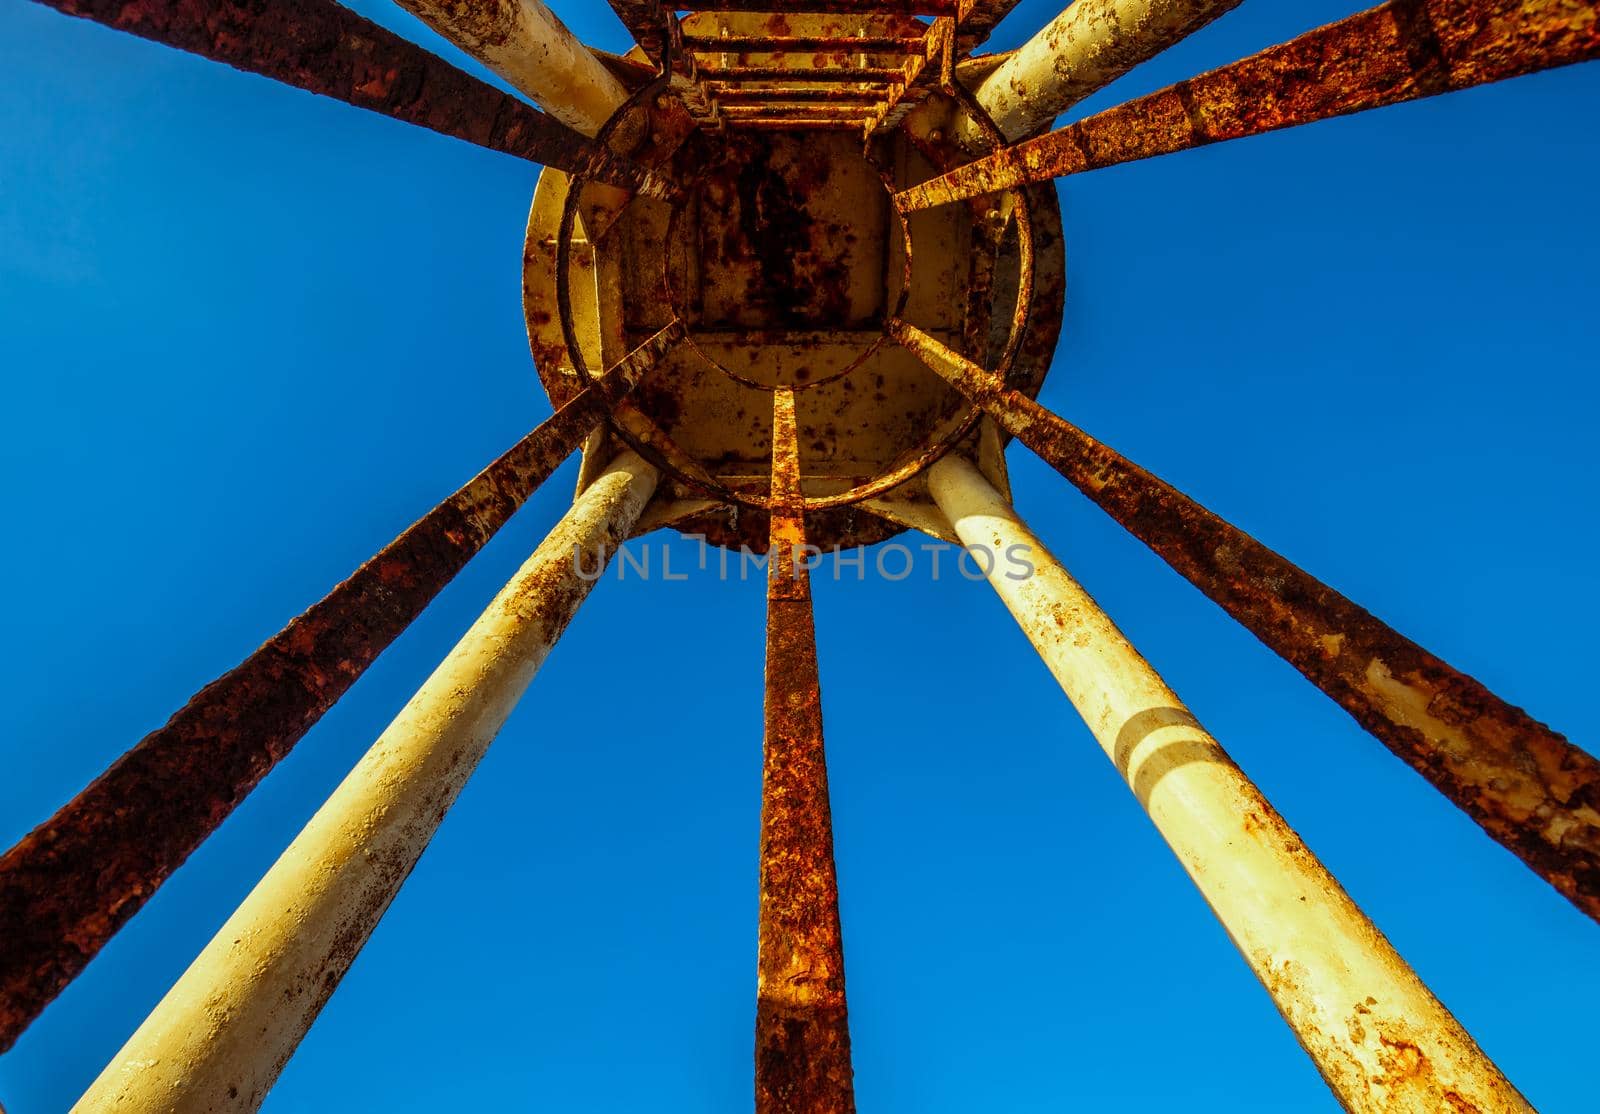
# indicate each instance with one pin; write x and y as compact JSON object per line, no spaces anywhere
{"x":660,"y":448}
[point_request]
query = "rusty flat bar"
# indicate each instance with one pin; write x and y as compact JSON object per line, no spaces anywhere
{"x":779,"y":123}
{"x":802,"y":1030}
{"x":646,"y":21}
{"x":1382,"y":1042}
{"x":1534,"y":792}
{"x":1399,"y":51}
{"x":938,"y":46}
{"x":780,"y":44}
{"x":218,"y":1039}
{"x":762,"y":94}
{"x":831,"y":75}
{"x":853,"y":112}
{"x":978,"y":19}
{"x":829,"y":7}
{"x":72,"y":882}
{"x":323,"y":47}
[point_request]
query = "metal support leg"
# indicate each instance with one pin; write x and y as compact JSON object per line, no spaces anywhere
{"x":802,"y":1033}
{"x":222,"y":1034}
{"x":1381,"y":1040}
{"x":524,"y":42}
{"x":1529,"y":788}
{"x":1080,"y":52}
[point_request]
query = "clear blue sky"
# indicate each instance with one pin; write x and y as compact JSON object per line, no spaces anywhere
{"x":248,"y":334}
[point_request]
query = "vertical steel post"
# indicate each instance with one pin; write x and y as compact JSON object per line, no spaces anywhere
{"x":1381,"y":1040}
{"x":802,"y":1032}
{"x":219,"y":1038}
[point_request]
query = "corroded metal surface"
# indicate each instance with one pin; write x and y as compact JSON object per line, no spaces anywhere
{"x":218,"y":1039}
{"x":322,"y":47}
{"x":1382,"y":1042}
{"x":1081,"y":51}
{"x":524,"y":42}
{"x":839,"y":7}
{"x":1526,"y":785}
{"x":783,"y":258}
{"x":1396,"y":52}
{"x":802,"y":1031}
{"x":72,"y":882}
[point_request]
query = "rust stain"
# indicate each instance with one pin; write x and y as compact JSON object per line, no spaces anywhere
{"x":802,"y":1030}
{"x":1534,"y":792}
{"x":1399,"y":51}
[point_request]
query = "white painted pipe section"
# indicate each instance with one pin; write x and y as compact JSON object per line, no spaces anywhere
{"x":219,"y":1038}
{"x":1381,"y":1040}
{"x":524,"y":42}
{"x":1080,"y":52}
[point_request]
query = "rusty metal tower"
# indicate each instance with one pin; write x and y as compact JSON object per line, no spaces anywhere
{"x":793,"y":278}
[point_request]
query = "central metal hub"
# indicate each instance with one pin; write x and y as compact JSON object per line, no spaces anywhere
{"x":783,"y":258}
{"x":793,"y":234}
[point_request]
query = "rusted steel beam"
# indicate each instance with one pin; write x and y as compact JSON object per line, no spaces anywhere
{"x":73,"y":881}
{"x":938,"y":48}
{"x":783,"y":123}
{"x":780,"y":44}
{"x":218,"y":1039}
{"x":647,"y":21}
{"x":1380,"y":1039}
{"x":1527,"y":786}
{"x":323,"y":47}
{"x":854,"y":112}
{"x":1082,"y":50}
{"x":802,"y":1031}
{"x":1399,"y":51}
{"x":762,"y":94}
{"x":833,"y":75}
{"x":828,"y":7}
{"x":978,"y":19}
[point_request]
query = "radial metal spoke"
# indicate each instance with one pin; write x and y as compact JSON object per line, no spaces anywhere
{"x":802,"y":1031}
{"x":1526,"y":785}
{"x":1396,"y":52}
{"x":980,"y":18}
{"x":325,"y":48}
{"x":73,"y":881}
{"x":647,"y":22}
{"x":218,"y":1039}
{"x":830,"y":7}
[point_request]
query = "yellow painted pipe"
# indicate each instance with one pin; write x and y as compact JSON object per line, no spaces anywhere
{"x":219,"y":1038}
{"x":1382,"y":1041}
{"x":1080,"y":52}
{"x":524,"y":42}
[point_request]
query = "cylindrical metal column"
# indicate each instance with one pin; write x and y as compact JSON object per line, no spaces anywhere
{"x":222,"y":1034}
{"x":524,"y":42}
{"x":1379,"y":1037}
{"x":1078,"y":53}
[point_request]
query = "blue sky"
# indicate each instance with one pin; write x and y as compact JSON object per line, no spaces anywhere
{"x":249,"y":334}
